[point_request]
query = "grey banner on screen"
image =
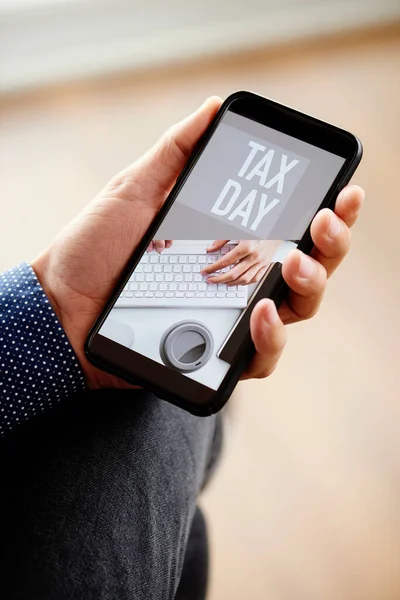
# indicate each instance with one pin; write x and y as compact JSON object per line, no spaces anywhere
{"x":251,"y":182}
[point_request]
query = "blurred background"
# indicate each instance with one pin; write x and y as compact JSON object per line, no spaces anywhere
{"x":306,"y":504}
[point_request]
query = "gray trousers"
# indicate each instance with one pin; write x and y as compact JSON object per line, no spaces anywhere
{"x":98,"y":498}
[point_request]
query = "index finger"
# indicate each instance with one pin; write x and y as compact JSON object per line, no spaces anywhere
{"x":229,"y":259}
{"x":330,"y":231}
{"x":217,"y":245}
{"x":349,"y":203}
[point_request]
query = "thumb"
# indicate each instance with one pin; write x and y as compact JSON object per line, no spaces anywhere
{"x":159,"y":168}
{"x":269,"y":337}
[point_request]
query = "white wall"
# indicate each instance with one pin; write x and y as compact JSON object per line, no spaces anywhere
{"x":47,"y":41}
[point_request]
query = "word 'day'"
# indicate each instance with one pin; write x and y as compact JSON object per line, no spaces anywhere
{"x":268,"y":169}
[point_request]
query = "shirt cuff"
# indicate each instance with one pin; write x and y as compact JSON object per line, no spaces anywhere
{"x":38,"y":367}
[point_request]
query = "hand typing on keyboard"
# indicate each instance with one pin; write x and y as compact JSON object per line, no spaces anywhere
{"x":242,"y":264}
{"x":173,"y":278}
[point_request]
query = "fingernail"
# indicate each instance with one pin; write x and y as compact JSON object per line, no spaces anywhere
{"x":306,"y":267}
{"x":335,"y":227}
{"x":270,"y":313}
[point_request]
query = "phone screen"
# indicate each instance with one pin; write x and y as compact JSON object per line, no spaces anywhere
{"x":245,"y":204}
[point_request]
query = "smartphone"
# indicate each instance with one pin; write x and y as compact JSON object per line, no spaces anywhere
{"x":244,"y":200}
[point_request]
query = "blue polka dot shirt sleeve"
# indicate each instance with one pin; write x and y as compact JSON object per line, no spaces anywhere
{"x":38,"y":367}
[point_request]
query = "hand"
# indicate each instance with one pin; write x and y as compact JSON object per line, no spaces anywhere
{"x":159,"y":245}
{"x":251,"y":259}
{"x":79,"y":270}
{"x":306,"y":276}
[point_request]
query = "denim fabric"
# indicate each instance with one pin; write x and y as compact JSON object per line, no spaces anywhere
{"x":98,"y":497}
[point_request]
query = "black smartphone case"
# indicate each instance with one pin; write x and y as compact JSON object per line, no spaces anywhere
{"x":240,"y":349}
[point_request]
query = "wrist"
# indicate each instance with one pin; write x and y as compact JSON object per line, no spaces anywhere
{"x":43,"y":271}
{"x":40,"y":268}
{"x":76,"y":315}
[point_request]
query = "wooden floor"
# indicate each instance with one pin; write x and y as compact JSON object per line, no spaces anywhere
{"x":306,"y":505}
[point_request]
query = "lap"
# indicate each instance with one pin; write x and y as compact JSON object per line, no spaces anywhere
{"x":99,"y":496}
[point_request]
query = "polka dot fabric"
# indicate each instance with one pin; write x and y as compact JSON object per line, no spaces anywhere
{"x":38,"y":367}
